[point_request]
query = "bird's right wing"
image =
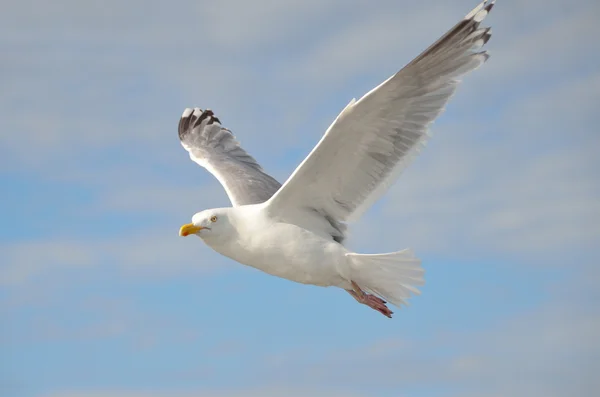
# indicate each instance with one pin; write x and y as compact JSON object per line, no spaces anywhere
{"x":216,"y":149}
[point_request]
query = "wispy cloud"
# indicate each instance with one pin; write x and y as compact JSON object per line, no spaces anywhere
{"x":550,"y":350}
{"x":145,"y":254}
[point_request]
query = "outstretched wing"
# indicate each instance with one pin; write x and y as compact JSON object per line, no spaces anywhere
{"x":216,"y":149}
{"x":373,"y":140}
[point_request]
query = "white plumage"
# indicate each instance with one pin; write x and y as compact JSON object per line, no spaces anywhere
{"x":296,"y":230}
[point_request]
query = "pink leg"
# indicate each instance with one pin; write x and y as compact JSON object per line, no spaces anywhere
{"x":370,"y":300}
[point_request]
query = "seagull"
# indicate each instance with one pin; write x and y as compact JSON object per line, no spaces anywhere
{"x":296,"y":231}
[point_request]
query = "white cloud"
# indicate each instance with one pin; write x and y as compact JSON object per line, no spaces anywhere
{"x":25,"y":260}
{"x":381,"y":39}
{"x":155,"y":201}
{"x":68,"y":87}
{"x":546,"y":351}
{"x":160,"y":252}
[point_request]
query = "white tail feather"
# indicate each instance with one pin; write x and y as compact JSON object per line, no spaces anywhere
{"x":392,"y":276}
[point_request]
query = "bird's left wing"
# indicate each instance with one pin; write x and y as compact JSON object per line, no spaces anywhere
{"x":374,"y":139}
{"x":216,"y":149}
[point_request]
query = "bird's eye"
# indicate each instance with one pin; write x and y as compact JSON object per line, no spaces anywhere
{"x":213,"y":218}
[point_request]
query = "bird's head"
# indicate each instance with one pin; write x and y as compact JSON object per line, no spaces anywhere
{"x":209,"y":224}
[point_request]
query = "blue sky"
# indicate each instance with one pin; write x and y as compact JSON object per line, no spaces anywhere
{"x":99,"y":296}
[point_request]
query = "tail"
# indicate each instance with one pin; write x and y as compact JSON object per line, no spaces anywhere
{"x":392,"y":276}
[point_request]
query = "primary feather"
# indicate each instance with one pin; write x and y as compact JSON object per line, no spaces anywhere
{"x":216,"y":149}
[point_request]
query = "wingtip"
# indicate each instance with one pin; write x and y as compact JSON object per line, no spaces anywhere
{"x":193,"y":117}
{"x":479,"y":13}
{"x":487,"y":35}
{"x":187,"y":112}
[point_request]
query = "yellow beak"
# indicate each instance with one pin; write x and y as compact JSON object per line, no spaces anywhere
{"x":188,"y":229}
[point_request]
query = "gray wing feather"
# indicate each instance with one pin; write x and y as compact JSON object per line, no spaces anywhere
{"x":216,"y":149}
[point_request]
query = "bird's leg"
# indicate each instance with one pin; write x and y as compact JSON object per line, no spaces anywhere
{"x":372,"y":301}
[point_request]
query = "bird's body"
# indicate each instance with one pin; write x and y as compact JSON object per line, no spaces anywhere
{"x":302,"y":254}
{"x":296,"y":230}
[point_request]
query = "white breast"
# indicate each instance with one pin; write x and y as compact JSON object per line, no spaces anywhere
{"x":285,"y":250}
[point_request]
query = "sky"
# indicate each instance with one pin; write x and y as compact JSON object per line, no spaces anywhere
{"x":99,"y":297}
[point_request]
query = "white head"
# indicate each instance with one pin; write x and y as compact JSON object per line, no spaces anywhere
{"x":209,"y":224}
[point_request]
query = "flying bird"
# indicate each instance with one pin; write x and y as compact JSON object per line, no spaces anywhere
{"x":296,"y":230}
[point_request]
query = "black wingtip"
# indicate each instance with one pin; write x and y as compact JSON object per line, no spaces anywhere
{"x":193,"y":117}
{"x":487,"y":35}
